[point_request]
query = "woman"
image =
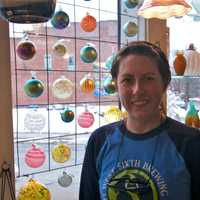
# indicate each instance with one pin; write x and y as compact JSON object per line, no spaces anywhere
{"x":146,"y":156}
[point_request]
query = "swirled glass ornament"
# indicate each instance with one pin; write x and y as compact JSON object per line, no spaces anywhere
{"x":85,"y":119}
{"x":88,"y":23}
{"x":65,"y":180}
{"x":113,"y":114}
{"x":35,"y":157}
{"x":130,"y":29}
{"x":109,"y":61}
{"x":62,"y":88}
{"x":60,"y":20}
{"x":87,"y":85}
{"x":33,"y":87}
{"x":60,"y":49}
{"x":34,"y":121}
{"x":26,"y":49}
{"x":88,"y":54}
{"x":61,"y":153}
{"x":67,"y":115}
{"x":131,"y":3}
{"x":33,"y":190}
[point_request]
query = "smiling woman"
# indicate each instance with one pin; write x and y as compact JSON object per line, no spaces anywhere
{"x":124,"y":159}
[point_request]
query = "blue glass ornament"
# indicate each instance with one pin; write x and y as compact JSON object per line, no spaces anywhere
{"x":130,"y":29}
{"x":88,"y":54}
{"x":67,"y":115}
{"x":131,"y":3}
{"x":109,"y":61}
{"x":33,"y":87}
{"x":60,"y":20}
{"x":109,"y":85}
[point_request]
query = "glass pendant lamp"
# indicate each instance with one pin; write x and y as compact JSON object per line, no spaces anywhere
{"x":163,"y":9}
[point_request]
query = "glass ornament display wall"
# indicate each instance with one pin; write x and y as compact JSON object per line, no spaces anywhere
{"x":38,"y":120}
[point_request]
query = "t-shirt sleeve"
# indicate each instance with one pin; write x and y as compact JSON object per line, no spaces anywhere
{"x":89,"y":187}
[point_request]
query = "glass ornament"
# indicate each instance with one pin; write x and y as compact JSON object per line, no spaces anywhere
{"x":130,"y":29}
{"x":192,"y":117}
{"x":60,"y":20}
{"x":179,"y":63}
{"x":60,"y":49}
{"x":34,"y":121}
{"x":109,"y":61}
{"x":33,"y":190}
{"x":33,"y":87}
{"x":62,"y":88}
{"x":61,"y":153}
{"x":65,"y":180}
{"x":88,"y":23}
{"x":109,"y":85}
{"x":25,"y":49}
{"x":87,"y":84}
{"x":35,"y":157}
{"x":85,"y":119}
{"x":88,"y":54}
{"x":113,"y":114}
{"x":131,"y":3}
{"x":67,"y":115}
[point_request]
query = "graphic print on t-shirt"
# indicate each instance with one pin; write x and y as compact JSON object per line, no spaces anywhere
{"x":132,"y":184}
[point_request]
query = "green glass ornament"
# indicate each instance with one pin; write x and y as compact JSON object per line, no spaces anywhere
{"x":67,"y":115}
{"x":88,"y":54}
{"x":60,"y":20}
{"x":109,"y":61}
{"x":130,"y":29}
{"x":33,"y":87}
{"x":109,"y":85}
{"x":131,"y":3}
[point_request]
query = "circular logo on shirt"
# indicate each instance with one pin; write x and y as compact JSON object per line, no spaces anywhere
{"x":132,"y":184}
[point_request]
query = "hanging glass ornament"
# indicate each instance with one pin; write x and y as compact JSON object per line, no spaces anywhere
{"x":26,"y":49}
{"x":60,"y":49}
{"x":67,"y":115}
{"x":61,"y":153}
{"x":33,"y":87}
{"x":88,"y":54}
{"x":35,"y":157}
{"x":60,"y":20}
{"x":33,"y":190}
{"x":34,"y":121}
{"x":62,"y":88}
{"x":65,"y":180}
{"x":113,"y":114}
{"x":109,"y":85}
{"x":88,"y":23}
{"x":130,"y":29}
{"x":109,"y":61}
{"x":87,"y":84}
{"x":85,"y":119}
{"x":131,"y":3}
{"x":192,"y":117}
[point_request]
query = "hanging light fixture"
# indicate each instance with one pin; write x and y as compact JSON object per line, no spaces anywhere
{"x":163,"y":9}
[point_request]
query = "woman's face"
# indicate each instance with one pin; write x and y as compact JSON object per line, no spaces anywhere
{"x":140,"y":86}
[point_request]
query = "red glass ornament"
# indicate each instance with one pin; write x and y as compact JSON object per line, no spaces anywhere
{"x":85,"y":119}
{"x":35,"y":157}
{"x":88,"y":23}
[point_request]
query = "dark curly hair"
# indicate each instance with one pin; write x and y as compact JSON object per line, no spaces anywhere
{"x":147,"y":49}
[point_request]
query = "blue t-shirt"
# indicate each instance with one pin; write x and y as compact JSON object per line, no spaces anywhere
{"x":125,"y":166}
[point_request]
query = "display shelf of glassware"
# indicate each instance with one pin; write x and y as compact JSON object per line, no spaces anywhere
{"x":183,"y":95}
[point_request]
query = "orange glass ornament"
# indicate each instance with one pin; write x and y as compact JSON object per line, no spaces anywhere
{"x":87,"y":85}
{"x":179,"y":63}
{"x":88,"y":23}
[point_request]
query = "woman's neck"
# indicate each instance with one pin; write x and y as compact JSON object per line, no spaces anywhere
{"x":141,"y":126}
